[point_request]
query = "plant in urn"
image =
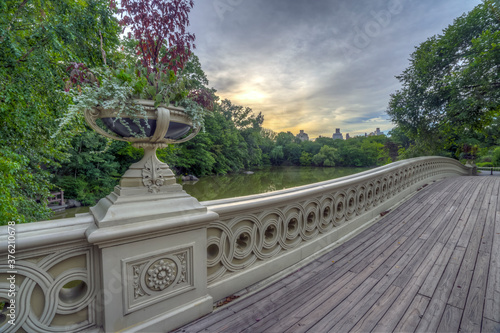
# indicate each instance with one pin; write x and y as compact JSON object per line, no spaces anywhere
{"x":148,"y":101}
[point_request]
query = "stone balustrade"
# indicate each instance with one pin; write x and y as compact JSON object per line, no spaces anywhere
{"x":159,"y":273}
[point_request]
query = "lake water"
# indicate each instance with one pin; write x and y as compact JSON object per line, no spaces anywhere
{"x":239,"y":184}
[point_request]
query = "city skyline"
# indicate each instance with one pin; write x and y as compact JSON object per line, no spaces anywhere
{"x":315,"y":65}
{"x":337,"y":134}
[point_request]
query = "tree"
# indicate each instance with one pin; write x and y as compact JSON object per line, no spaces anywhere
{"x":37,"y":40}
{"x":242,"y":117}
{"x":92,"y":171}
{"x":453,"y":82}
{"x":276,"y":155}
{"x":326,"y":157}
{"x":305,"y":159}
{"x":160,"y":29}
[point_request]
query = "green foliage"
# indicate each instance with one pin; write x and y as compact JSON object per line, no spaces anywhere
{"x":115,"y":89}
{"x":485,"y":165}
{"x":451,"y":88}
{"x":36,"y":39}
{"x":496,"y":157}
{"x":92,"y":171}
{"x":326,"y":157}
{"x":305,"y":159}
{"x":242,"y":117}
{"x":277,"y":155}
{"x":19,"y":190}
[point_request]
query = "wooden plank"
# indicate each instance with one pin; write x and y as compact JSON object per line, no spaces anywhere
{"x":432,"y":316}
{"x":490,"y":326}
{"x":489,"y":227}
{"x":473,"y":230}
{"x":492,"y":304}
{"x":220,"y":315}
{"x":447,"y":224}
{"x":395,"y":221}
{"x":391,"y":318}
{"x":319,"y":300}
{"x":242,"y":312}
{"x":436,"y":207}
{"x":433,"y":278}
{"x":338,"y":253}
{"x":322,"y":305}
{"x":406,"y":275}
{"x":338,"y":312}
{"x":371,"y":318}
{"x":473,"y":311}
{"x":346,"y":323}
{"x":411,"y":318}
{"x":287,"y":318}
{"x":491,"y":242}
{"x":391,"y":222}
{"x":450,"y":321}
{"x":419,"y":215}
{"x":389,"y":225}
{"x":326,"y":301}
{"x":447,"y":208}
{"x":466,"y":235}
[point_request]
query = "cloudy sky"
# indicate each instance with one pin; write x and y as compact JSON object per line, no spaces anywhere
{"x":315,"y":65}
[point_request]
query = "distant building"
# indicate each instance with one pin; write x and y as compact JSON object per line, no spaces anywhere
{"x":337,"y":134}
{"x":377,"y":132}
{"x":347,"y":137}
{"x":303,"y":136}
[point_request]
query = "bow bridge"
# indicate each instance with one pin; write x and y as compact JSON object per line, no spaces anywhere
{"x":379,"y":250}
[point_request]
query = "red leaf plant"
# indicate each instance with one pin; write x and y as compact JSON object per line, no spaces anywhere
{"x":159,"y":26}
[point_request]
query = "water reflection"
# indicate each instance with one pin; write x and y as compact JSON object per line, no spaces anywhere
{"x":262,"y":181}
{"x":71,"y":212}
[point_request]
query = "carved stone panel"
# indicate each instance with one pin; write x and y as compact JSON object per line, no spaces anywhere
{"x":154,"y":277}
{"x":56,"y":291}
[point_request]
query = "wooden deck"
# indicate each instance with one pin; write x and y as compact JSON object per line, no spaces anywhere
{"x":431,"y":265}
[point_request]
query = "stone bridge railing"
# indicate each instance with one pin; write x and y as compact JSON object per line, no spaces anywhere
{"x":167,"y":267}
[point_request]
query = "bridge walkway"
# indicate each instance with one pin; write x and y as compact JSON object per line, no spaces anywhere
{"x":430,"y":265}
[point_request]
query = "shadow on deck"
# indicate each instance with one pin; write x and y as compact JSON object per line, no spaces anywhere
{"x":431,"y":265}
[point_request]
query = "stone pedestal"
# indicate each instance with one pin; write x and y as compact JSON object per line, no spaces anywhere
{"x":153,"y":272}
{"x":152,"y":241}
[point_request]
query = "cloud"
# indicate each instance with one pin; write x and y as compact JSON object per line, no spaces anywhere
{"x":315,"y":65}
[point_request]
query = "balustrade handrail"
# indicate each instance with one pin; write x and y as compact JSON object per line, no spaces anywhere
{"x":45,"y":233}
{"x":341,"y":181}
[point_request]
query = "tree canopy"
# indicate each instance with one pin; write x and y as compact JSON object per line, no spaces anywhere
{"x":37,"y":40}
{"x":452,"y":86}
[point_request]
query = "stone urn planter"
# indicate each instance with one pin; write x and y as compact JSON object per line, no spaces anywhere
{"x":148,"y":180}
{"x":162,"y":125}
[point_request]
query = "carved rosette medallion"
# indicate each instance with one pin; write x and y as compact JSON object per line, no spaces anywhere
{"x":161,"y":274}
{"x":157,"y":276}
{"x":152,"y":176}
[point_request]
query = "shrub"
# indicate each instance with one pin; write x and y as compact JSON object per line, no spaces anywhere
{"x":485,"y":165}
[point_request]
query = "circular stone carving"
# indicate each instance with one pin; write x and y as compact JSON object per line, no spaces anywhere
{"x":161,"y":274}
{"x":212,"y":251}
